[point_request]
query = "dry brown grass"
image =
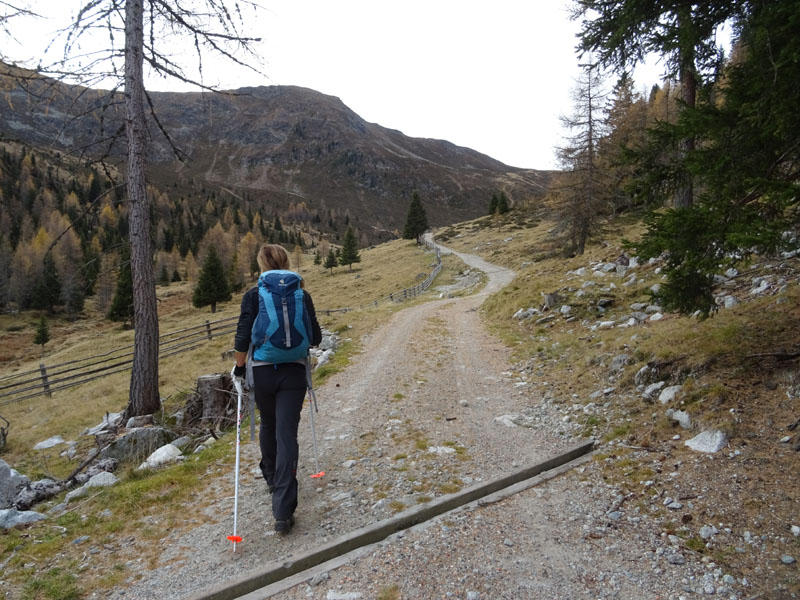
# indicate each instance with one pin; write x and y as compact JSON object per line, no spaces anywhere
{"x":384,"y":269}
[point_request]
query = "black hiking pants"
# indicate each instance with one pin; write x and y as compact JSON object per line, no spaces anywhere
{"x":279,"y":394}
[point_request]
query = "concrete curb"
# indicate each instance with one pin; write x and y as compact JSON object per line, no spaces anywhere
{"x":377,"y":532}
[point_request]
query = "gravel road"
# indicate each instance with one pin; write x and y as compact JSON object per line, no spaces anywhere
{"x":415,"y":416}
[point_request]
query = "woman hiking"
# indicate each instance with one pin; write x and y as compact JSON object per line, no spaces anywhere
{"x":285,"y":326}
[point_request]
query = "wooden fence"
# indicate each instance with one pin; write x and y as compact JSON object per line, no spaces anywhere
{"x":48,"y":379}
{"x":52,"y":378}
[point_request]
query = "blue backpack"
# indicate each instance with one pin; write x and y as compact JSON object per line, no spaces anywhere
{"x":282,"y":329}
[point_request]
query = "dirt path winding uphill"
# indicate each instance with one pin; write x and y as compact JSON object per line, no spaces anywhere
{"x":411,"y":418}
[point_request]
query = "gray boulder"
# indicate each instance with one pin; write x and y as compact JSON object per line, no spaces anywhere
{"x":165,"y":454}
{"x":708,"y":442}
{"x":138,"y":444}
{"x":103,"y":479}
{"x":11,"y":483}
{"x":11,"y":517}
{"x":652,"y":390}
{"x":140,"y":421}
{"x":668,"y":394}
{"x":37,"y":492}
{"x":110,"y":422}
{"x":681,"y":417}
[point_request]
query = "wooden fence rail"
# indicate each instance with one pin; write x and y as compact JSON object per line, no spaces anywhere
{"x":47,"y":380}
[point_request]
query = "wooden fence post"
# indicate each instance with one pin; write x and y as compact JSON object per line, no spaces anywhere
{"x":208,"y":329}
{"x":45,"y":383}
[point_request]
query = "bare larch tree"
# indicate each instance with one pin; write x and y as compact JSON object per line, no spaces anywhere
{"x":152,"y":30}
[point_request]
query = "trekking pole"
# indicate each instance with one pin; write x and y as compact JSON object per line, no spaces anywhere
{"x":235,"y":538}
{"x":313,"y":406}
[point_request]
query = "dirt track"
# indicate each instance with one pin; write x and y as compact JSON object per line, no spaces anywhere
{"x":414,"y":417}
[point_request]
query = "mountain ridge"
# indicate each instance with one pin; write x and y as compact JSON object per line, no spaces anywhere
{"x":277,"y":144}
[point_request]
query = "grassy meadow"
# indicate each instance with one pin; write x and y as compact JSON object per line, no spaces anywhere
{"x":384,"y":269}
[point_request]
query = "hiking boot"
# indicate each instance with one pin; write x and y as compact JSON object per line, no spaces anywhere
{"x":283,"y":526}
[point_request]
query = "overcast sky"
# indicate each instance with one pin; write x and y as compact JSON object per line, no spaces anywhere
{"x":492,"y":76}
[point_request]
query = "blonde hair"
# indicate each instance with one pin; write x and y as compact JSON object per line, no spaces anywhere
{"x":272,"y":257}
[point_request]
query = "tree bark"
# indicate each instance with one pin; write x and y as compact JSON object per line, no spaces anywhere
{"x":214,"y":401}
{"x":684,"y":195}
{"x":144,"y":397}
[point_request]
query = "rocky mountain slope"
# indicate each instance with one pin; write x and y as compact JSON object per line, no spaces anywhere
{"x":275,"y":145}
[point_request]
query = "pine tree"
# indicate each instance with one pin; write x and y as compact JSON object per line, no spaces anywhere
{"x":236,"y":282}
{"x":47,"y":288}
{"x":416,"y":221}
{"x":745,"y":165}
{"x":502,"y":204}
{"x":349,"y":249}
{"x":621,"y":34}
{"x":330,"y":261}
{"x":493,"y":204}
{"x":317,"y":258}
{"x":122,"y":303}
{"x":163,"y":278}
{"x":212,"y":285}
{"x":42,"y":333}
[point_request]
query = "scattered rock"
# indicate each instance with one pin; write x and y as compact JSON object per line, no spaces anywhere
{"x":11,"y":517}
{"x":164,"y":455}
{"x":681,"y":417}
{"x":138,"y":443}
{"x":646,"y":375}
{"x":319,"y":578}
{"x":668,"y":394}
{"x":651,"y":390}
{"x":104,"y":479}
{"x":618,"y":362}
{"x":11,"y":482}
{"x":526,"y":313}
{"x":49,"y":443}
{"x":708,"y":441}
{"x":707,"y":532}
{"x":140,"y":421}
{"x":441,"y":450}
{"x":109,"y":423}
{"x":36,"y":492}
{"x":676,"y":559}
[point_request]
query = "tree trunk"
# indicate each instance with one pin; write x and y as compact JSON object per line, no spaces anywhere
{"x":214,"y":404}
{"x":144,"y":397}
{"x":684,"y":195}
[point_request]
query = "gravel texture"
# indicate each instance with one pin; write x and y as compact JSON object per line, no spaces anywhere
{"x":413,"y":417}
